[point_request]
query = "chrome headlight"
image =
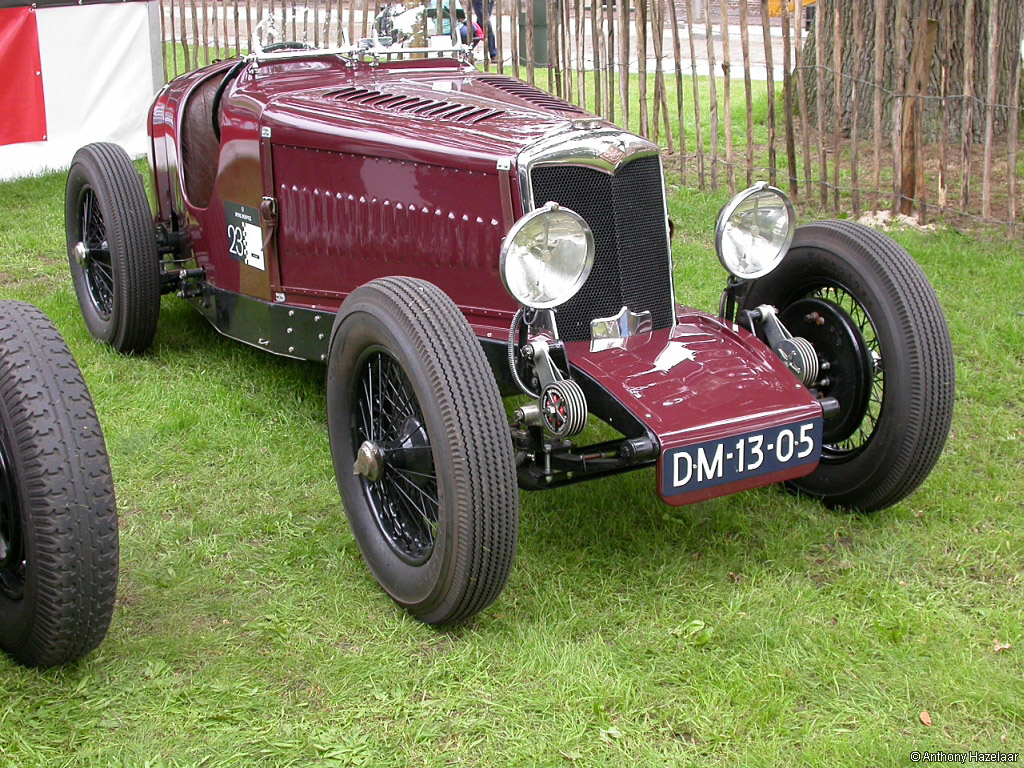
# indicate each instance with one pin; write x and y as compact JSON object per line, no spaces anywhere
{"x":754,"y":231}
{"x":547,"y":256}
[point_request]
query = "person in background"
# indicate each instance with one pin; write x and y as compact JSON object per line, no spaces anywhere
{"x":484,"y":22}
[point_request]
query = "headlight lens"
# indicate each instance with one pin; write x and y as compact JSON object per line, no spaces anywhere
{"x":547,"y":256}
{"x":754,"y":231}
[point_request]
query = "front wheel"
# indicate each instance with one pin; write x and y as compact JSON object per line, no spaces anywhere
{"x":421,"y":448}
{"x":115,"y":264}
{"x":878,"y":329}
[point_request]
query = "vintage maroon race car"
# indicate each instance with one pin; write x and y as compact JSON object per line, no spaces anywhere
{"x":441,"y":237}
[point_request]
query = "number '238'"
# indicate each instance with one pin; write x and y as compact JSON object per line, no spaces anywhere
{"x":236,"y":240}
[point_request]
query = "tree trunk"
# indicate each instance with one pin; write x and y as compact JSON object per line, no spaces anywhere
{"x":948,"y":65}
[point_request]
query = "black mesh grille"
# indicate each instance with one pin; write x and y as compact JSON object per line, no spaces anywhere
{"x":631,"y":266}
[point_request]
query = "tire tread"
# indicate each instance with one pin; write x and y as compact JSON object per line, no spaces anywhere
{"x":928,"y":358}
{"x":132,"y":238}
{"x":63,"y":476}
{"x":475,"y":422}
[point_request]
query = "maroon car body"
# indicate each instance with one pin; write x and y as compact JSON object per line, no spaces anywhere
{"x":414,"y":168}
{"x":370,"y":209}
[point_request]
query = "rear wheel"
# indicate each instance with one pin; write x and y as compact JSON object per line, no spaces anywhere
{"x":421,"y":449}
{"x":58,"y":522}
{"x":871,"y":315}
{"x":115,"y":265}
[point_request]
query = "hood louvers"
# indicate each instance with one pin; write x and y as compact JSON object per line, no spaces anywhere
{"x":529,"y":93}
{"x":393,"y":102}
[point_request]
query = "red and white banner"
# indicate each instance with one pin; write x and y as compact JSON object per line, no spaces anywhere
{"x":100,"y":66}
{"x":22,"y":108}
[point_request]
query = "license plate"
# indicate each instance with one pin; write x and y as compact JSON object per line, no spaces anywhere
{"x":716,"y":462}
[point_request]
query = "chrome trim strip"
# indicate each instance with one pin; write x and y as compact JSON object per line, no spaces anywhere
{"x":583,"y":142}
{"x":668,"y":239}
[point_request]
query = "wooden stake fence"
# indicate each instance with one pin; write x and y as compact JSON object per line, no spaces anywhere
{"x":628,"y":60}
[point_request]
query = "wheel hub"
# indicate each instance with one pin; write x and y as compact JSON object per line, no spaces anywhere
{"x":850,"y":367}
{"x":369,"y":461}
{"x":394,"y":457}
{"x":80,"y":253}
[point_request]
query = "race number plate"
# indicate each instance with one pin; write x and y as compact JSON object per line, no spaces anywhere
{"x":717,"y":462}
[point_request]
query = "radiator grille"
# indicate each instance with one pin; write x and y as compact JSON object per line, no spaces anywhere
{"x":631,"y":264}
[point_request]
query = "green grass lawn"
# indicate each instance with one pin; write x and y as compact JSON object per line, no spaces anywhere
{"x":758,"y":630}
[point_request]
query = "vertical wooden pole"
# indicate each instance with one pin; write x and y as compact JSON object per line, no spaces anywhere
{"x":712,"y":96}
{"x":248,"y":24}
{"x":727,"y":97}
{"x":516,"y":11}
{"x":597,"y":48}
{"x":858,"y":56}
{"x":819,"y":77}
{"x":174,"y":41}
{"x":206,"y":33}
{"x":566,"y":40}
{"x":499,"y":32}
{"x":747,"y":91}
{"x":1011,"y":159}
{"x":787,"y":98}
{"x":195,"y":35}
{"x":657,"y":38}
{"x":990,"y":108}
{"x":899,"y":86}
{"x":641,"y":55}
{"x":579,"y":29}
{"x":554,"y":58}
{"x":623,"y":7}
{"x":364,"y":29}
{"x":698,"y":128}
{"x":968,"y":110}
{"x":802,"y":98}
{"x":608,"y":46}
{"x":947,"y":36}
{"x":912,"y":171}
{"x":660,"y":97}
{"x":163,"y":38}
{"x":224,"y":9}
{"x":837,"y":92}
{"x":766,"y":26}
{"x":881,"y":10}
{"x":351,"y":21}
{"x":237,"y":15}
{"x":677,"y":52}
{"x":531,"y":76}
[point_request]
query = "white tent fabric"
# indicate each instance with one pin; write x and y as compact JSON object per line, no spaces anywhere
{"x":101,"y":69}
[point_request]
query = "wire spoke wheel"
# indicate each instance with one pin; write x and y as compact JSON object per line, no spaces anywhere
{"x":112,"y":251}
{"x":872,"y":384}
{"x":99,"y":272}
{"x":421,"y":448}
{"x":844,"y":336}
{"x":867,"y":309}
{"x":389,"y":422}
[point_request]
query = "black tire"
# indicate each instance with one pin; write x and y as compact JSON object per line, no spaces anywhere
{"x":116,"y":272}
{"x":58,"y":518}
{"x":442,"y":403}
{"x":868,"y":309}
